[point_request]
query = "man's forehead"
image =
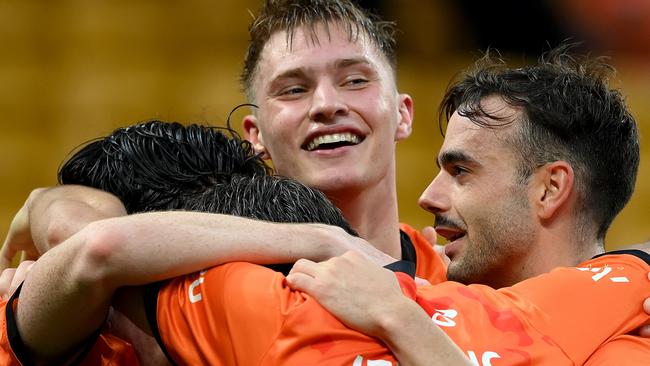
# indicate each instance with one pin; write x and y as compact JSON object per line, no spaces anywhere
{"x":329,"y":45}
{"x":310,"y":38}
{"x":315,"y":33}
{"x":466,"y":138}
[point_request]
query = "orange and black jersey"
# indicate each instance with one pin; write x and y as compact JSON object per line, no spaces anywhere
{"x":568,"y":316}
{"x":241,"y":313}
{"x":270,"y":338}
{"x":102,"y":349}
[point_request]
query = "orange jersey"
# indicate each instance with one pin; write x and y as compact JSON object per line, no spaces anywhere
{"x":106,"y":350}
{"x":428,"y":264}
{"x":559,"y":318}
{"x":240,"y":313}
{"x":625,"y":350}
{"x":244,"y":314}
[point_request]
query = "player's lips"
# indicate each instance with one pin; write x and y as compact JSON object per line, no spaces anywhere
{"x":454,"y":238}
{"x":332,"y":139}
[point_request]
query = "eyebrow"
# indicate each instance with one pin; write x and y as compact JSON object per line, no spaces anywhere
{"x":455,"y":156}
{"x":347,"y":62}
{"x":301,"y":72}
{"x":298,"y":72}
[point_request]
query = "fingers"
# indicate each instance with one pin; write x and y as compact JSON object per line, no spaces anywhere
{"x":304,"y":266}
{"x":300,"y":281}
{"x":20,"y":275}
{"x":429,"y":233}
{"x":5,"y":282}
{"x":7,"y":254}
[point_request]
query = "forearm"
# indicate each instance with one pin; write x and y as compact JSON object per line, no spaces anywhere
{"x":72,"y":284}
{"x":59,"y":298}
{"x":415,"y":340}
{"x":144,"y":248}
{"x":56,"y":213}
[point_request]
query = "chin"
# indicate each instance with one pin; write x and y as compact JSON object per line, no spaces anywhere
{"x":338,"y":182}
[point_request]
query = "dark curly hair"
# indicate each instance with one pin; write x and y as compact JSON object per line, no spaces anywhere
{"x":567,"y":112}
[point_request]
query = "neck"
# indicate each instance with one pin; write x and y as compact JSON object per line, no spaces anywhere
{"x":372,"y":212}
{"x":555,"y":248}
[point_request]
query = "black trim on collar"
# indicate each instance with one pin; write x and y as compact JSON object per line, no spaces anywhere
{"x":635,"y":252}
{"x":402,"y":266}
{"x":150,"y":295}
{"x":408,"y":250}
{"x":15,"y":341}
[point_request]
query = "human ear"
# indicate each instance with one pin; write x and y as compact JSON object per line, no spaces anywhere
{"x":253,"y":134}
{"x":405,"y":123}
{"x":553,"y":187}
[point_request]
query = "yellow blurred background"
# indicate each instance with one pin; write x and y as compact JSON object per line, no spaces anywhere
{"x":72,"y":70}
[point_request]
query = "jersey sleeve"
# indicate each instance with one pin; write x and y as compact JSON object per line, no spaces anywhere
{"x":226,"y":315}
{"x":101,"y":349}
{"x":7,"y":355}
{"x":559,"y":317}
{"x":625,"y":350}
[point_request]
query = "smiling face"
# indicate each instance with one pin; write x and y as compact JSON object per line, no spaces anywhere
{"x":329,"y":112}
{"x":480,"y":204}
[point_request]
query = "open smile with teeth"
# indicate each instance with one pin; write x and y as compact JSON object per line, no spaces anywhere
{"x":332,"y":141}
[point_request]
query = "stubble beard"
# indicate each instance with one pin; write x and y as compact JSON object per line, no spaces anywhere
{"x":494,"y":250}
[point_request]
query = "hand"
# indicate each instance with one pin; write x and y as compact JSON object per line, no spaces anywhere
{"x":341,"y":242}
{"x":11,"y":278}
{"x":356,"y":291}
{"x":19,"y":237}
{"x":430,"y":234}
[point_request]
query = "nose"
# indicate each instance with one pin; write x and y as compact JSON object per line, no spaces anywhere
{"x":327,"y":103}
{"x":435,"y":197}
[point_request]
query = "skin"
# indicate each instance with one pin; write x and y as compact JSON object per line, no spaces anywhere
{"x":105,"y":255}
{"x":476,"y":168}
{"x":334,"y":85}
{"x":503,"y":222}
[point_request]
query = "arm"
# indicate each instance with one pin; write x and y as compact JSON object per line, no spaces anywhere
{"x":368,"y":298}
{"x":68,"y":291}
{"x":50,"y":215}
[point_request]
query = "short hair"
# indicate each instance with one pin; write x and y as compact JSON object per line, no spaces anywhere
{"x":567,"y":112}
{"x":149,"y":165}
{"x":268,"y":198}
{"x":290,"y":15}
{"x":156,"y":166}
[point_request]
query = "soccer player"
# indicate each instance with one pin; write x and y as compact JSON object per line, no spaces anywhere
{"x":236,"y":314}
{"x":323,"y":76}
{"x":156,"y":166}
{"x":536,"y":163}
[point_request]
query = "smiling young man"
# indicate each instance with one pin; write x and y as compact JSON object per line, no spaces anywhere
{"x":322,"y":74}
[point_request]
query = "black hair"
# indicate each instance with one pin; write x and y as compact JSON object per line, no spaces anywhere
{"x":567,"y":112}
{"x":157,"y":166}
{"x":148,"y":165}
{"x":269,"y":198}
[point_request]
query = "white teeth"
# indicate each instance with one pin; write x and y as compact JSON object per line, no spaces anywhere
{"x":333,"y":138}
